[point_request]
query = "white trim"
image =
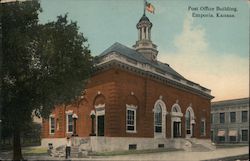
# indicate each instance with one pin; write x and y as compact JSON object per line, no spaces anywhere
{"x":164,"y":113}
{"x":146,"y":67}
{"x":192,"y":121}
{"x":69,"y":112}
{"x":100,"y":111}
{"x":67,"y":122}
{"x":176,"y":117}
{"x":177,"y":106}
{"x":50,"y":117}
{"x":100,"y":106}
{"x":134,"y":109}
{"x":131,"y":106}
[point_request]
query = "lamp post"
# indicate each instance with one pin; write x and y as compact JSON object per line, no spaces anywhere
{"x":75,"y":117}
{"x":92,"y":115}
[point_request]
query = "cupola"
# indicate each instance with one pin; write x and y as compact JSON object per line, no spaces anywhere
{"x":144,"y":44}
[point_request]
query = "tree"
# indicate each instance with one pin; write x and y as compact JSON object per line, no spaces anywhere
{"x":43,"y":65}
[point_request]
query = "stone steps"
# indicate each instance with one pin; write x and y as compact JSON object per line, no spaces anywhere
{"x":197,"y":146}
{"x":74,"y":152}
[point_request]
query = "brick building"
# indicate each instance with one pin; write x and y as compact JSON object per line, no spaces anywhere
{"x":135,"y":101}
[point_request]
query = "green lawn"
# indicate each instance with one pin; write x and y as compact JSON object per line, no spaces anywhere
{"x":34,"y":151}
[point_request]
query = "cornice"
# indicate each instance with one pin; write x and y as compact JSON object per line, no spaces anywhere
{"x":114,"y":63}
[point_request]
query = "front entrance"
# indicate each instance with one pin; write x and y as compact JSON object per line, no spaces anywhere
{"x":177,"y":129}
{"x":176,"y":123}
{"x":100,"y":125}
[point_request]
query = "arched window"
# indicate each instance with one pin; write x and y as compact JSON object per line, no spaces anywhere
{"x":189,"y":116}
{"x":188,"y":121}
{"x":175,"y":109}
{"x":158,"y":118}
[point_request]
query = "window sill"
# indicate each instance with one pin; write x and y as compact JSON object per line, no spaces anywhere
{"x":131,"y":131}
{"x":69,"y":132}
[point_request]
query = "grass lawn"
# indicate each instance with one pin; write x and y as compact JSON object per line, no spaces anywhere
{"x":34,"y":151}
{"x":132,"y":152}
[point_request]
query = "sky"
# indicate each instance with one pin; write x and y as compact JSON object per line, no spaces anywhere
{"x":211,"y":51}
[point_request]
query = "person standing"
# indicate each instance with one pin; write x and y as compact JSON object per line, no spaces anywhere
{"x":68,"y":147}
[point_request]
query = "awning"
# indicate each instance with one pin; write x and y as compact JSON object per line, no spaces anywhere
{"x":221,"y":133}
{"x":232,"y":133}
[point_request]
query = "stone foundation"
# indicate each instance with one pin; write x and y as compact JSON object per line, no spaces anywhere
{"x":107,"y":144}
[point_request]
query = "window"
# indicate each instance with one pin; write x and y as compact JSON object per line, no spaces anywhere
{"x":132,"y":146}
{"x":222,"y":118}
{"x":131,"y":119}
{"x":221,"y":138}
{"x":158,"y":119}
{"x":212,"y":119}
{"x":175,"y":109}
{"x":244,"y":116}
{"x":188,"y":122}
{"x":221,"y":135}
{"x":244,"y":135}
{"x":232,"y":117}
{"x":203,"y":127}
{"x":232,"y":138}
{"x":161,"y":145}
{"x":51,"y":124}
{"x":69,"y":123}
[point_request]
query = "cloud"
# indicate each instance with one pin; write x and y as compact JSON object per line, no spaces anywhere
{"x":226,"y":74}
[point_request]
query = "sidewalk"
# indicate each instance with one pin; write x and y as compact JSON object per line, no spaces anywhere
{"x":187,"y":156}
{"x":166,"y":156}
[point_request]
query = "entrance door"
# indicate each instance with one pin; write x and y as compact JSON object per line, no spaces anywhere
{"x":100,"y":125}
{"x":176,"y":129}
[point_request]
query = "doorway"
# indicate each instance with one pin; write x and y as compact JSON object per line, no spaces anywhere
{"x":100,"y":125}
{"x":176,"y":129}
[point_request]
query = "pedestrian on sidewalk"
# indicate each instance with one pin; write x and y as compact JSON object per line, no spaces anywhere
{"x":68,"y":147}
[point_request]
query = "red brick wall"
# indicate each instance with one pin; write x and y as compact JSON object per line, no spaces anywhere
{"x":116,"y":86}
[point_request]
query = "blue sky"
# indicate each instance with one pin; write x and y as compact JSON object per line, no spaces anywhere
{"x":204,"y":50}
